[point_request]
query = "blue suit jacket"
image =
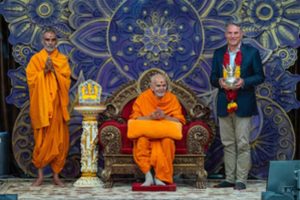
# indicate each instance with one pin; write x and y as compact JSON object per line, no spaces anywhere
{"x":251,"y":72}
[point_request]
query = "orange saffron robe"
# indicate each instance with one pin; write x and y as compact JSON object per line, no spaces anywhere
{"x":158,"y":153}
{"x":49,"y":99}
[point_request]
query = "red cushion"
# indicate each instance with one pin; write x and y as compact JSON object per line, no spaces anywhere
{"x":153,"y":188}
{"x":127,"y":109}
{"x":181,"y":144}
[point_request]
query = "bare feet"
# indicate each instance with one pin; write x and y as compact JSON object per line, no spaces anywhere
{"x":158,"y":182}
{"x":40,"y":178}
{"x":57,"y":181}
{"x":148,"y":179}
{"x":37,"y":182}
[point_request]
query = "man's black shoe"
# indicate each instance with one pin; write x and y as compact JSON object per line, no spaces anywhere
{"x":224,"y":184}
{"x":240,"y":186}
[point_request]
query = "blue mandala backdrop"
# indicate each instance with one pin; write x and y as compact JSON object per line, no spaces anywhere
{"x":114,"y":41}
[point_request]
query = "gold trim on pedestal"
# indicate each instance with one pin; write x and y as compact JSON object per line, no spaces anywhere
{"x":88,"y":174}
{"x":89,"y":152}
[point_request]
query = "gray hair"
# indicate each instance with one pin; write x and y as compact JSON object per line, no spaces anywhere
{"x":233,"y":22}
{"x":48,"y":30}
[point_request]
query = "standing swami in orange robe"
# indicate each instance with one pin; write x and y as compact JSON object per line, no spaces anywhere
{"x":48,"y":78}
{"x":156,"y":103}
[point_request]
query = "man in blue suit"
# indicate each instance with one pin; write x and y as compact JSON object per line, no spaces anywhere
{"x":236,"y":103}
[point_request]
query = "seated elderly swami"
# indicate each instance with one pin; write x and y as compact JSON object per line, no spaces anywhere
{"x":155,"y":122}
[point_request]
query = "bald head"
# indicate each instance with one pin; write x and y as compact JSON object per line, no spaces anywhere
{"x":159,"y":85}
{"x":157,"y":77}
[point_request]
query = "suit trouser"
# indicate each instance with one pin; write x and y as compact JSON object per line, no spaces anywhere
{"x":235,"y":134}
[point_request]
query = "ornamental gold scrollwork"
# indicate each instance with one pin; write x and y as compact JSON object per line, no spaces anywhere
{"x":200,"y":112}
{"x":111,"y":139}
{"x":197,"y":137}
{"x":106,"y":178}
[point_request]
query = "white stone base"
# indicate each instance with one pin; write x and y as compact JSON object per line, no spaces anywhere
{"x":88,"y":182}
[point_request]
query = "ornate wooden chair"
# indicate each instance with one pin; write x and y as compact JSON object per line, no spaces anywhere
{"x":198,"y":132}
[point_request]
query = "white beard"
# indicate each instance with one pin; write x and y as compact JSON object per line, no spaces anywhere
{"x":160,"y":94}
{"x":50,"y":48}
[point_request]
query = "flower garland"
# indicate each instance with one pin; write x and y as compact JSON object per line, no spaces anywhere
{"x":231,"y":95}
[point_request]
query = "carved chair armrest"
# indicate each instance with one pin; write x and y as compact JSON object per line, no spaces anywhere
{"x":200,"y":112}
{"x":199,"y":137}
{"x":110,"y":137}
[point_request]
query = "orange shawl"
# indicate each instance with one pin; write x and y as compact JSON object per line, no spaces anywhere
{"x":43,"y":87}
{"x":147,"y":102}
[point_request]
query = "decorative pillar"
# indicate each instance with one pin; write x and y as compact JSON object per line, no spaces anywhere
{"x":89,"y":106}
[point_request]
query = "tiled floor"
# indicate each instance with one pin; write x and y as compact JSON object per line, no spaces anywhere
{"x":122,"y":190}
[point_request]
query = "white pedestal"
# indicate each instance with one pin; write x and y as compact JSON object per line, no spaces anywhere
{"x":89,"y":152}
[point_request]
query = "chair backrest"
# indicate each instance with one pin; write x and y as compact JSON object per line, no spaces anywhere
{"x":282,"y":177}
{"x":125,"y":113}
{"x":199,"y":130}
{"x":123,"y":98}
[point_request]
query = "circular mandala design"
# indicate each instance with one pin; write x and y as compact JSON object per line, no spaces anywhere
{"x":288,"y":56}
{"x":272,"y":137}
{"x":266,"y":13}
{"x":155,"y":34}
{"x":44,"y":12}
{"x":22,"y":54}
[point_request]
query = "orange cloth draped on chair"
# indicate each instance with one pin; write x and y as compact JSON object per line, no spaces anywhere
{"x":158,"y":153}
{"x":49,"y":98}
